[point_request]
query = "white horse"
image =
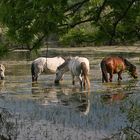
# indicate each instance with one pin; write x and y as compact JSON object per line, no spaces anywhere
{"x":78,"y":66}
{"x":47,"y":65}
{"x":2,"y":71}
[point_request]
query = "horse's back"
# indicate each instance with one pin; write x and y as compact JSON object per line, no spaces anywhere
{"x":113,"y":63}
{"x":75,"y":65}
{"x":40,"y":60}
{"x":113,"y":59}
{"x":82,"y":59}
{"x":86,"y":61}
{"x":56,"y":60}
{"x":53,"y":63}
{"x":37,"y":66}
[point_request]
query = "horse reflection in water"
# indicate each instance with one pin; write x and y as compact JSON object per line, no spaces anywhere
{"x":47,"y":65}
{"x":79,"y":67}
{"x":2,"y":71}
{"x":76,"y":99}
{"x":70,"y":97}
{"x":84,"y":106}
{"x":2,"y":86}
{"x":117,"y":93}
{"x":109,"y":98}
{"x":116,"y":64}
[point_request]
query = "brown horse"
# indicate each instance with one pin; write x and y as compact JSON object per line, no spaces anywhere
{"x":116,"y":64}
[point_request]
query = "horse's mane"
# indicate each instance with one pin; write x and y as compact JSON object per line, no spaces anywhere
{"x":63,"y":65}
{"x":128,"y":64}
{"x":67,"y":59}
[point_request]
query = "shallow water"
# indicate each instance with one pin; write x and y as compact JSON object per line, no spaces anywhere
{"x":65,"y":112}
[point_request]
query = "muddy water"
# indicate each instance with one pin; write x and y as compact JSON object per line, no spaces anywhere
{"x":65,"y":112}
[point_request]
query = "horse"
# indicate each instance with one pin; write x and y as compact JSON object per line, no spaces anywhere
{"x":2,"y":71}
{"x":116,"y":65}
{"x":47,"y":65}
{"x":79,"y":67}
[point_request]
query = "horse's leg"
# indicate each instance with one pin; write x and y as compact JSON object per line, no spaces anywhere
{"x":37,"y":74}
{"x":73,"y":79}
{"x":103,"y":77}
{"x":80,"y":81}
{"x":111,"y":77}
{"x":119,"y":76}
{"x":36,"y":78}
{"x":84,"y":83}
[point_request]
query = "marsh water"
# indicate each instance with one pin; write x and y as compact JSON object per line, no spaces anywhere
{"x":45,"y":111}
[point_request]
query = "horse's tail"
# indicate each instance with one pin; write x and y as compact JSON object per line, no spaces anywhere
{"x":85,"y":74}
{"x":33,"y":72}
{"x":104,"y":71}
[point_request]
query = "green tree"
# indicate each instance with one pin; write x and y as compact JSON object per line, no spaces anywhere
{"x":31,"y":22}
{"x":28,"y":22}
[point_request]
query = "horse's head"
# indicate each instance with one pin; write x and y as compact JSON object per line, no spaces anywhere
{"x":60,"y":71}
{"x":2,"y":70}
{"x":131,"y":68}
{"x":133,"y":71}
{"x":59,"y":75}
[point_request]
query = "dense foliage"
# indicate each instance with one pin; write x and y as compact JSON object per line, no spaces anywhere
{"x":29,"y":23}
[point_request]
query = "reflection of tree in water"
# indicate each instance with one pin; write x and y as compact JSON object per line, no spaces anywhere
{"x":132,"y":130}
{"x":7,"y":124}
{"x":8,"y":127}
{"x":130,"y":108}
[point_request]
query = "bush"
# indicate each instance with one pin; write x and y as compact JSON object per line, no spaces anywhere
{"x":77,"y":37}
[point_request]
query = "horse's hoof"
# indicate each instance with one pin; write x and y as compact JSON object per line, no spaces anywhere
{"x":2,"y":78}
{"x":56,"y":82}
{"x":135,"y":77}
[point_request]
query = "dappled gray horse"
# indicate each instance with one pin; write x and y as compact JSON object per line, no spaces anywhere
{"x":2,"y":71}
{"x":79,"y":67}
{"x":47,"y":65}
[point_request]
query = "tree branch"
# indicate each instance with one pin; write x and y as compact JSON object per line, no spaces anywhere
{"x":134,"y":130}
{"x":37,"y":42}
{"x":100,"y":10}
{"x":76,"y":6}
{"x":80,"y":22}
{"x":118,"y":20}
{"x":91,"y":18}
